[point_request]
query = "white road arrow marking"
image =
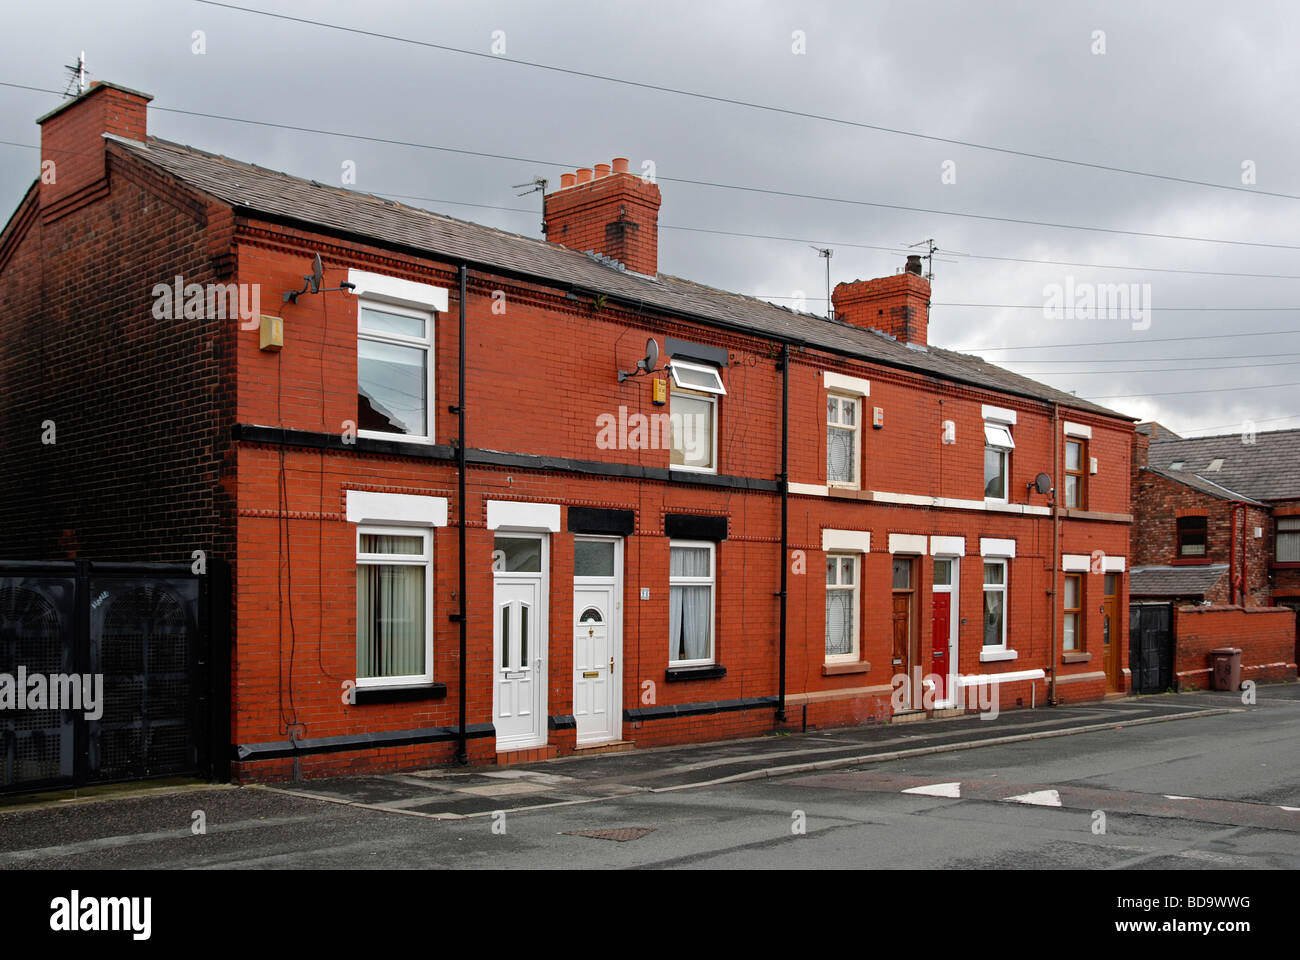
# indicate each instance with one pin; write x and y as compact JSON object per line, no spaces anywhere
{"x":937,"y":790}
{"x":1039,"y":798}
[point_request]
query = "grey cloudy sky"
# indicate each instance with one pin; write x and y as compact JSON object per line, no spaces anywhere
{"x":1186,"y":89}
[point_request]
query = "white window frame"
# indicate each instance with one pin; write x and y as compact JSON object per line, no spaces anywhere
{"x":997,"y":436}
{"x":855,"y":482}
{"x":711,"y":582}
{"x":426,"y":343}
{"x":997,"y":588}
{"x":855,"y":653}
{"x":675,"y":365}
{"x":425,"y":560}
{"x":712,"y":401}
{"x":1076,"y":612}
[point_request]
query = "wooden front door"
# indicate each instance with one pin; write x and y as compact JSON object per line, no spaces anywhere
{"x":1110,"y":632}
{"x":902,"y":619}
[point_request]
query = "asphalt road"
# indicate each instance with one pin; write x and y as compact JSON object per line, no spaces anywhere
{"x":1198,"y":792}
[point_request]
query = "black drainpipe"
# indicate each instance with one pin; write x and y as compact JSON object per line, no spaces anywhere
{"x":785,"y":504}
{"x":462,"y":755}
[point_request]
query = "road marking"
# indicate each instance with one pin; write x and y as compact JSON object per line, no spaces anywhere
{"x":1038,"y":798}
{"x":1174,"y":796}
{"x":937,"y":790}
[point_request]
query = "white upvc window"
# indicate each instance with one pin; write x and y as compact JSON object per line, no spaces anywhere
{"x":843,"y":423}
{"x":995,"y":604}
{"x":997,"y":460}
{"x":394,"y":372}
{"x":842,"y":628}
{"x":690,"y":602}
{"x":693,"y":417}
{"x":394,"y":606}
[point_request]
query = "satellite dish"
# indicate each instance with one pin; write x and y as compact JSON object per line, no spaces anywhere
{"x":651,"y":356}
{"x":1043,"y":483}
{"x":317,"y":274}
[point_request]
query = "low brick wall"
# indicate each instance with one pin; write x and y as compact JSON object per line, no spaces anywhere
{"x":1266,"y":636}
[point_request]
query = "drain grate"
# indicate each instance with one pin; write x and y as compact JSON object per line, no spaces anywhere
{"x":619,"y":834}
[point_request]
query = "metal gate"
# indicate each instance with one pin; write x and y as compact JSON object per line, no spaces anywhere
{"x":105,"y":673}
{"x":1151,"y":646}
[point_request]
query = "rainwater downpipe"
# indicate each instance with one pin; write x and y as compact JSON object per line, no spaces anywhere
{"x":784,"y":479}
{"x":1056,"y":541}
{"x":462,"y":753}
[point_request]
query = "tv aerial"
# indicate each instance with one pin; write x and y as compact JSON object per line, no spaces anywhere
{"x":643,"y":366}
{"x":928,"y":256}
{"x":535,"y":185}
{"x":827,"y":253}
{"x":312,"y":283}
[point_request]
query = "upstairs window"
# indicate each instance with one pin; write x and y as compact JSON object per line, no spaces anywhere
{"x":842,"y":422}
{"x":693,"y":417}
{"x":1191,"y":536}
{"x":394,"y":372}
{"x":1288,"y":540}
{"x":997,"y":459}
{"x":1076,"y":455}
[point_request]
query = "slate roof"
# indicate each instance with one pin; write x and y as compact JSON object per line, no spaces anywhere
{"x":1204,"y":485}
{"x":1268,"y":469}
{"x":1190,"y":581}
{"x":267,"y":192}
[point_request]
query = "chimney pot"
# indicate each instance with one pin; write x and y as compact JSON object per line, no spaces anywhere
{"x":566,"y":180}
{"x":584,"y":174}
{"x":602,"y":170}
{"x":914,"y":263}
{"x":620,"y":164}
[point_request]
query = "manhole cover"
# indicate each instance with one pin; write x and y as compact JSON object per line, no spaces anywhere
{"x":619,"y":834}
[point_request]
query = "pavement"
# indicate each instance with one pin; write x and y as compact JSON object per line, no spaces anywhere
{"x":453,"y":793}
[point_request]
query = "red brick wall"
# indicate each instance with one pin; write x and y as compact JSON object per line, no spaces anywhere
{"x":574,"y":351}
{"x":1265,"y":635}
{"x":140,"y":413}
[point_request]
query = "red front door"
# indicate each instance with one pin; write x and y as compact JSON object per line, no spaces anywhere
{"x":939,"y":643}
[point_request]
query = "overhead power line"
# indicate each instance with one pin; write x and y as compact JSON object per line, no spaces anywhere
{"x":749,"y":104}
{"x":1122,"y":343}
{"x":713,"y":184}
{"x":1180,"y":393}
{"x":1094,"y":373}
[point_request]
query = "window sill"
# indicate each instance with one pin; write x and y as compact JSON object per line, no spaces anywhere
{"x":994,"y":654}
{"x":1075,"y":656}
{"x":431,"y":691}
{"x":709,"y":671}
{"x":839,"y":669}
{"x":1190,"y":562}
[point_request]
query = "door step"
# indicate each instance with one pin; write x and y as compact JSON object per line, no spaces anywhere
{"x":605,"y":746}
{"x":528,"y":755}
{"x":907,"y":716}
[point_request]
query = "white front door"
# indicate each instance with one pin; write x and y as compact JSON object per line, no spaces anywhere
{"x":519,"y":641}
{"x":597,"y":639}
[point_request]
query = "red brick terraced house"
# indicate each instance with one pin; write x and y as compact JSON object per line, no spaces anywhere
{"x":1217,"y":519}
{"x":455,"y":443}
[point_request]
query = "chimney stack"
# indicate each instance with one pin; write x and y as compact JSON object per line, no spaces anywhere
{"x":897,"y":305}
{"x":72,"y":136}
{"x":608,"y":211}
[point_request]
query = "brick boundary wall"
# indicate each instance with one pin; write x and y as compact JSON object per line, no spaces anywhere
{"x":1266,"y":636}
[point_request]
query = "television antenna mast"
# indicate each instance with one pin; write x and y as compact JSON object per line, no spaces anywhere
{"x":928,"y":256}
{"x":76,"y":76}
{"x":535,"y":185}
{"x":826,"y":252}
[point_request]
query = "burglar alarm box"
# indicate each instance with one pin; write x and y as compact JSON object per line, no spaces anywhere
{"x":659,"y":394}
{"x":272,"y":333}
